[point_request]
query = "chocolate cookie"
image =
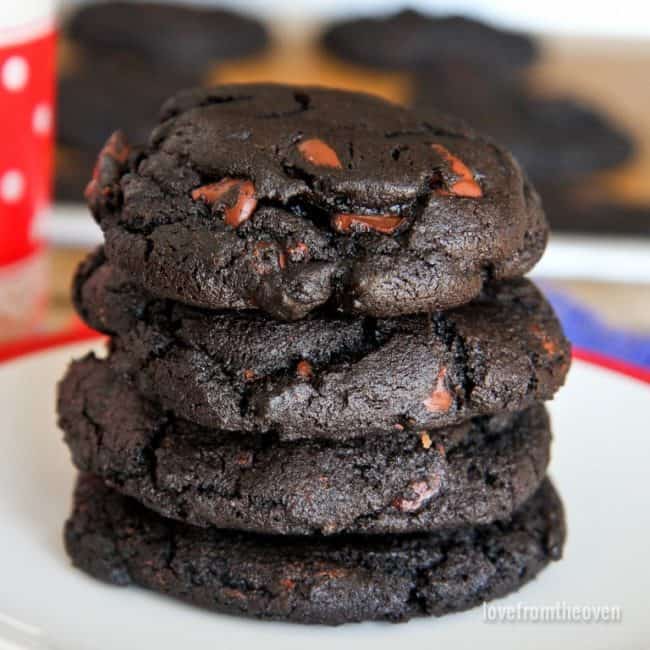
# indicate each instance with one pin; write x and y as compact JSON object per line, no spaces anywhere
{"x":403,"y":481}
{"x":286,"y":199}
{"x":555,"y":140}
{"x":85,"y":119}
{"x":166,"y":37}
{"x":409,"y":39}
{"x":329,"y":375}
{"x":312,"y":580}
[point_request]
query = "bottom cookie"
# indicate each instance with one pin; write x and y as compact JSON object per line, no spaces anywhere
{"x":312,"y":579}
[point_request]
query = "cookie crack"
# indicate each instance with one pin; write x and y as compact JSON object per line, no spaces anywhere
{"x":151,"y":451}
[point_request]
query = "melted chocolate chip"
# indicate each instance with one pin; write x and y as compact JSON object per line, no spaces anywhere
{"x":237,"y":211}
{"x":319,"y":153}
{"x":440,"y":399}
{"x":385,"y":224}
{"x":465,"y":185}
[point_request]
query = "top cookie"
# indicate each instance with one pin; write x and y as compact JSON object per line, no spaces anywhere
{"x":409,"y":39}
{"x":284,"y":199}
{"x":166,"y":36}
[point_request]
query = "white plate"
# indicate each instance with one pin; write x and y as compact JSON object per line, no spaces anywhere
{"x":600,"y":465}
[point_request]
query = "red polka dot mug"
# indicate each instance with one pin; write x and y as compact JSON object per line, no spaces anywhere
{"x":27,"y":71}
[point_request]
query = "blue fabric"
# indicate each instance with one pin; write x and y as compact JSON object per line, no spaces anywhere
{"x":586,"y":330}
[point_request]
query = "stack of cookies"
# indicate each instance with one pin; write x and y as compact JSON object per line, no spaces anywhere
{"x":322,"y":400}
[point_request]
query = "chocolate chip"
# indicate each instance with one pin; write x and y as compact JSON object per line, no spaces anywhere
{"x":299,"y":252}
{"x":110,"y":164}
{"x":304,"y":369}
{"x":267,"y":258}
{"x":319,"y":153}
{"x":244,"y":459}
{"x":383,"y":223}
{"x":238,"y":194}
{"x":464,"y":184}
{"x":549,"y":346}
{"x":288,"y":583}
{"x":440,"y":399}
{"x":421,"y":492}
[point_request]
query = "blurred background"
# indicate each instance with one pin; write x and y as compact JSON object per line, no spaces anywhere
{"x":577,"y":17}
{"x":565,"y":86}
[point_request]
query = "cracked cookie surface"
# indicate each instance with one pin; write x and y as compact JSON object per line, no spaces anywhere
{"x":285,"y":199}
{"x":305,"y":580}
{"x":328,"y":375}
{"x":400,"y":482}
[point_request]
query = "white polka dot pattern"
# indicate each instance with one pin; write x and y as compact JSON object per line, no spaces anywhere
{"x":15,"y":73}
{"x":42,"y":119}
{"x":12,"y":186}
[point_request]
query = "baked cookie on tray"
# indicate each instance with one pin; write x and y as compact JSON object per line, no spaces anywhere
{"x":312,"y":580}
{"x":166,"y":36}
{"x":408,"y":39}
{"x":285,"y":199}
{"x":329,"y":375}
{"x":555,"y":139}
{"x":85,"y":119}
{"x":403,"y":481}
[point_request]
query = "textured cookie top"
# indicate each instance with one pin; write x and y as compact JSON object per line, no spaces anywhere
{"x":310,"y":579}
{"x":408,"y":39}
{"x":286,"y":198}
{"x":165,"y":35}
{"x":329,"y":375}
{"x":404,"y":481}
